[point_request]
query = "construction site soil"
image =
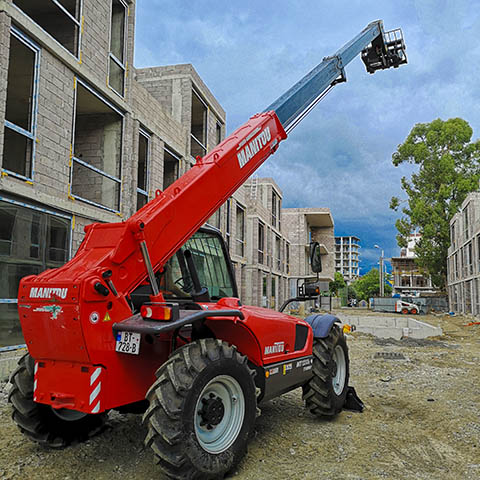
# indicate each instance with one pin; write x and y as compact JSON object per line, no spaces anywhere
{"x":421,"y":421}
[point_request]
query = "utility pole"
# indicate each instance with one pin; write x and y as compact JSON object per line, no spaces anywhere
{"x":380,"y":273}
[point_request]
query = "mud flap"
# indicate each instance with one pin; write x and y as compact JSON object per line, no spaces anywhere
{"x":353,"y":402}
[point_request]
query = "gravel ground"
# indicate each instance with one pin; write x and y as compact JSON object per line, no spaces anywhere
{"x":421,"y":421}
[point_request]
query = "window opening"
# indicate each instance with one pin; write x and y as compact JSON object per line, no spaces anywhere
{"x":278,"y":252}
{"x":61,"y":19}
{"x":274,"y":209}
{"x":97,"y":148}
{"x":240,"y":231}
{"x":21,"y":105}
{"x":261,"y":241}
{"x":218,"y":133}
{"x":143,"y":168}
{"x":214,"y":220}
{"x":198,"y":131}
{"x":227,"y":226}
{"x":117,"y":62}
{"x":171,"y":162}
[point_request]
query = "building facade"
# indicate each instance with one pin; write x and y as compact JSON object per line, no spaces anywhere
{"x":303,"y":226}
{"x":84,"y":136}
{"x":408,"y":279}
{"x":347,"y":257}
{"x":463,"y":262}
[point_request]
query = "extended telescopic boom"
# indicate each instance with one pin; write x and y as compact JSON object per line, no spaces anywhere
{"x":127,"y":252}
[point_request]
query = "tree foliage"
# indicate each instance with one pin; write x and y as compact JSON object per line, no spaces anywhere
{"x":368,"y":285}
{"x":337,"y":284}
{"x":448,"y":171}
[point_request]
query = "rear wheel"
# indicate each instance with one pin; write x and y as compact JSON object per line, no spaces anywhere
{"x":325,"y":393}
{"x":413,"y":311}
{"x":404,"y":311}
{"x":202,"y":410}
{"x":41,"y":423}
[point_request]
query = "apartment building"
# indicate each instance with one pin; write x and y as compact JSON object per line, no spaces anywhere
{"x":463,"y":261}
{"x":408,"y":279}
{"x":303,"y":226}
{"x":347,"y":257}
{"x":84,"y":136}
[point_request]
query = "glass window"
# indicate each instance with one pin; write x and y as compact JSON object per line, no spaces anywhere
{"x":261,"y":241}
{"x":20,"y":117}
{"x":214,"y":220}
{"x":142,"y":168}
{"x":171,"y":164}
{"x":211,"y":266}
{"x":116,"y":77}
{"x":227,"y":226}
{"x":31,"y":241}
{"x":59,"y":18}
{"x":274,"y":209}
{"x":240,"y":231}
{"x":198,"y":130}
{"x":219,"y":132}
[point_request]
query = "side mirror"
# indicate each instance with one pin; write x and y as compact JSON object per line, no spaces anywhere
{"x":315,"y":257}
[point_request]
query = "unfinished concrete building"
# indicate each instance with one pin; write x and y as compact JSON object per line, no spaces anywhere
{"x":303,"y":226}
{"x":84,"y":136}
{"x":347,"y":257}
{"x":463,"y":262}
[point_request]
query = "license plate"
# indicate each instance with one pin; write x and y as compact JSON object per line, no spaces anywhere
{"x":128,"y":342}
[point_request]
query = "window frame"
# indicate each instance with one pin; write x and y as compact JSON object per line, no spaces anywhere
{"x":205,"y":127}
{"x":74,"y":159}
{"x":240,"y":242}
{"x":261,"y":252}
{"x":111,"y":55}
{"x":148,"y":137}
{"x":78,"y":23}
{"x":32,"y":135}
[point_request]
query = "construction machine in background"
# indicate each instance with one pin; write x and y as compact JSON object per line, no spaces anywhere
{"x":146,"y":316}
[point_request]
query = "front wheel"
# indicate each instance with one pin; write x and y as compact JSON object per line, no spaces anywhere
{"x":326,"y":392}
{"x":202,"y":410}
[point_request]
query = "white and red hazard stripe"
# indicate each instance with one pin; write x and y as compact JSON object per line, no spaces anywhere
{"x":95,"y":389}
{"x":35,"y":381}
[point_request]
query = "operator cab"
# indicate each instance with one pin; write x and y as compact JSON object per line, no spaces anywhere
{"x":203,"y":256}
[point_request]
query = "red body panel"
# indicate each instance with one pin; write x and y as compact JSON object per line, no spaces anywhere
{"x":67,"y":324}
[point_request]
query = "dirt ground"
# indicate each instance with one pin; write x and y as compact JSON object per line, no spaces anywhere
{"x":421,"y":421}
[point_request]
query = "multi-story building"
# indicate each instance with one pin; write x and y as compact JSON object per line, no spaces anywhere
{"x":84,"y":136}
{"x":463,"y":261}
{"x":303,"y":226}
{"x":347,"y":257}
{"x":408,"y":279}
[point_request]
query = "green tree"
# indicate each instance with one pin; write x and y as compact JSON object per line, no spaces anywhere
{"x":448,"y":171}
{"x":337,"y":284}
{"x":368,"y":285}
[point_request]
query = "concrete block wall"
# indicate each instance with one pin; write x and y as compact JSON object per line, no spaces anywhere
{"x":4,"y":55}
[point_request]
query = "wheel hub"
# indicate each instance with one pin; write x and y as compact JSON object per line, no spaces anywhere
{"x":212,"y":411}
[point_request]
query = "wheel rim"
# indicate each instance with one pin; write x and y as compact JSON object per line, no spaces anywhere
{"x":68,"y":415}
{"x":219,"y":414}
{"x":338,"y":381}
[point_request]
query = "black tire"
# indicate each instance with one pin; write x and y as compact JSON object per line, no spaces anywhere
{"x":321,"y":396}
{"x":175,"y":397}
{"x":38,"y":421}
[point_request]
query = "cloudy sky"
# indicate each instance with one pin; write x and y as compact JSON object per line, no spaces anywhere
{"x":249,"y":52}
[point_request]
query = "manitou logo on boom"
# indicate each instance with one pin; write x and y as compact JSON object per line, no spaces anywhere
{"x":253,"y":147}
{"x":47,"y":292}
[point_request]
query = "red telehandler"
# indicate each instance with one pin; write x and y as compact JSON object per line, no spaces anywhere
{"x":146,"y":317}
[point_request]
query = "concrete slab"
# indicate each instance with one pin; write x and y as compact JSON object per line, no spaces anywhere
{"x":391,"y":327}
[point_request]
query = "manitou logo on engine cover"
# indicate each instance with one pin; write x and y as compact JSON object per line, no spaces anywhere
{"x":277,"y":347}
{"x":253,"y":146}
{"x":48,"y":292}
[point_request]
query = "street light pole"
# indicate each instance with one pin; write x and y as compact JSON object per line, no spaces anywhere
{"x":380,"y":273}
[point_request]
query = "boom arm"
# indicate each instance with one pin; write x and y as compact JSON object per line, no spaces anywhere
{"x":157,"y":230}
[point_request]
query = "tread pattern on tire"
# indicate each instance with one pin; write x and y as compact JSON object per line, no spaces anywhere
{"x":37,"y":421}
{"x":167,"y":395}
{"x":318,"y":392}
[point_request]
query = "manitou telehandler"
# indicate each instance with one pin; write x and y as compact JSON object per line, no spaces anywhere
{"x":146,"y":317}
